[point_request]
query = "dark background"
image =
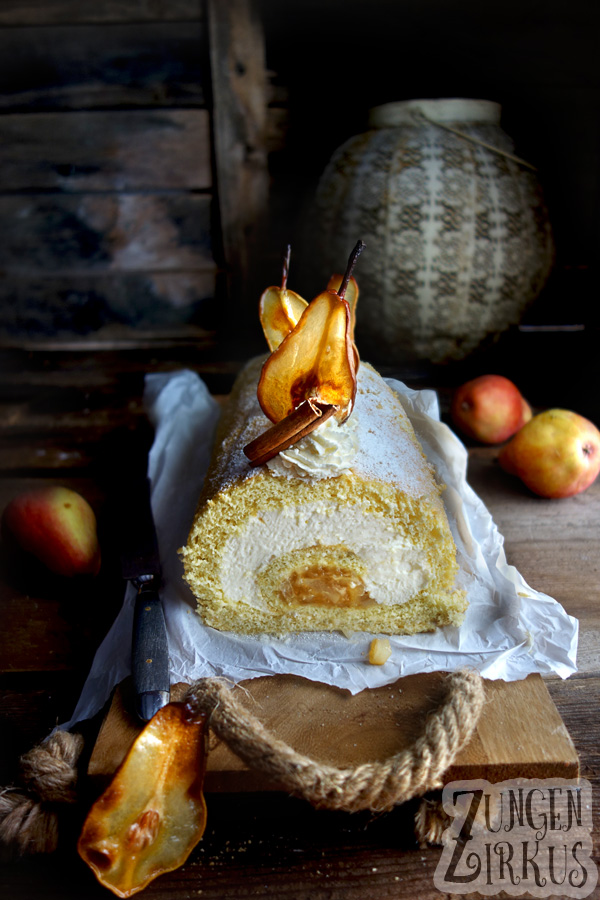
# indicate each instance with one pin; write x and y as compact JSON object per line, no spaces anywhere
{"x":113,"y":227}
{"x":539,"y":60}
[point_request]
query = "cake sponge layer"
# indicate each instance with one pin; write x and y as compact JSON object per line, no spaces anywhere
{"x":367,"y":550}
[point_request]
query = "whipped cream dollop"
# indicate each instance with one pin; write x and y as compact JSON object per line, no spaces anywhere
{"x":326,"y":452}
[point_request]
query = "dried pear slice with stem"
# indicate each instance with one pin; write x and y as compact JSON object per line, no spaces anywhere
{"x":351,"y":295}
{"x":334,"y":284}
{"x":280,"y":309}
{"x":153,"y":813}
{"x":317,"y":361}
{"x":312,"y":363}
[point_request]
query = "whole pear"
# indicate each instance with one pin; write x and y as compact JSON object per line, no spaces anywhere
{"x":58,"y":526}
{"x":489,"y":408}
{"x":556,"y":454}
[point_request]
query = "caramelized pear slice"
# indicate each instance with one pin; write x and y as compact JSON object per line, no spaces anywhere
{"x":314,"y":362}
{"x":279,"y":310}
{"x":334,"y":284}
{"x":153,"y":813}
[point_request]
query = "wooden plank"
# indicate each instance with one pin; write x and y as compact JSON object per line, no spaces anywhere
{"x":56,"y":419}
{"x":578,"y":702}
{"x":69,"y":12}
{"x":112,"y":368}
{"x":30,"y":707}
{"x":125,"y":150}
{"x":59,"y":423}
{"x":577,"y":518}
{"x":519,"y":733}
{"x":48,"y":234}
{"x":66,"y":411}
{"x":265,"y":847}
{"x":240,"y":130}
{"x":109,"y":307}
{"x":55,"y":430}
{"x":160,"y":64}
{"x":41,"y":638}
{"x":534,"y":529}
{"x":64,"y":452}
{"x":64,"y":429}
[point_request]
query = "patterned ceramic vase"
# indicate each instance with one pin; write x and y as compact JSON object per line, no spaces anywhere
{"x":458,"y":238}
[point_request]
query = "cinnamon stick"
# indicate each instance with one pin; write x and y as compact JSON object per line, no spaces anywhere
{"x":304,"y":419}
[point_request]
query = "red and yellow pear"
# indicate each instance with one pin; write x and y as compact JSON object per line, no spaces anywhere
{"x":490,"y":409}
{"x":556,"y":454}
{"x":58,"y":526}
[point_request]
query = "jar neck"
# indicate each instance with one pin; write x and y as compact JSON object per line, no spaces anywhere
{"x":452,"y":109}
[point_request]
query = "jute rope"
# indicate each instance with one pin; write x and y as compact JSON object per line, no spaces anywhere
{"x":29,"y":813}
{"x":431,"y":821}
{"x":376,"y":786}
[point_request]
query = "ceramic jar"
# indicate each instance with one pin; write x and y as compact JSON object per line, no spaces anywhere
{"x":458,"y":238}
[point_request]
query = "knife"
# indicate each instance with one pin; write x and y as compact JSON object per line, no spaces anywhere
{"x":140,"y":565}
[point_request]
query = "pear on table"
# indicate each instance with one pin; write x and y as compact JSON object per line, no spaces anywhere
{"x":556,"y":454}
{"x":489,"y":408}
{"x":58,"y":526}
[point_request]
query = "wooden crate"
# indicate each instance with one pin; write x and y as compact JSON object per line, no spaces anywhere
{"x":132,"y":166}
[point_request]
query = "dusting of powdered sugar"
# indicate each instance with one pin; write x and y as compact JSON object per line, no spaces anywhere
{"x":387,"y":448}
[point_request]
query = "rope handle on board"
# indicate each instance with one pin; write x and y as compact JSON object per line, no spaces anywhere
{"x":29,"y":814}
{"x":375,"y":785}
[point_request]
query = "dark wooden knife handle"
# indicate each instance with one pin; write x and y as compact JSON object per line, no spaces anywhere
{"x":150,"y":653}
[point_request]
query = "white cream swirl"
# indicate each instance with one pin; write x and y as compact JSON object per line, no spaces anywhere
{"x":328,"y":451}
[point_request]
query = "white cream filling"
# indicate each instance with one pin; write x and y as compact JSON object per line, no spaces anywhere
{"x":327,"y":452}
{"x":395,"y":569}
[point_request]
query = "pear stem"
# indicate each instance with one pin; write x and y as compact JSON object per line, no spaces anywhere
{"x":360,"y":246}
{"x":286,"y":267}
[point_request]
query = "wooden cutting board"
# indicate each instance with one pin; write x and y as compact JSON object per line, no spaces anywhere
{"x":520,"y":732}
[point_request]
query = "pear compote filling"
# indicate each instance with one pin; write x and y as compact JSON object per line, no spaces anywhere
{"x":333,"y":577}
{"x":322,"y":585}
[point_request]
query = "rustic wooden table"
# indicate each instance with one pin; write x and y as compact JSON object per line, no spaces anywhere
{"x":57,"y":408}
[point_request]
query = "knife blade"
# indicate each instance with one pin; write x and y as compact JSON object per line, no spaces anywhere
{"x":140,"y":565}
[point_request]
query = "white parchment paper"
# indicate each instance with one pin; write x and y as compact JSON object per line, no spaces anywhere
{"x":510,"y":630}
